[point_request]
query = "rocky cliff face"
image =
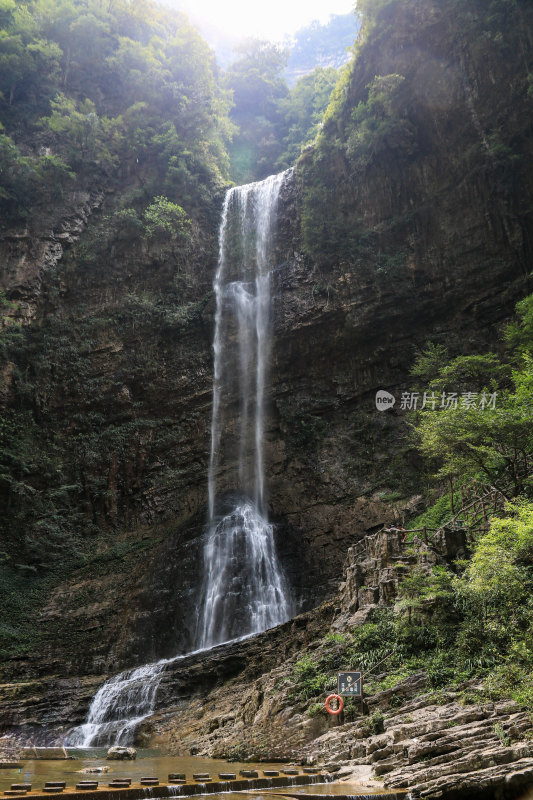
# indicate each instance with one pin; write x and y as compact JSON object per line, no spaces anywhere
{"x":109,"y":376}
{"x":418,"y":233}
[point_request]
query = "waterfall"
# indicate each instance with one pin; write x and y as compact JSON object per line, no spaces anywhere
{"x":119,"y":706}
{"x":244,"y":588}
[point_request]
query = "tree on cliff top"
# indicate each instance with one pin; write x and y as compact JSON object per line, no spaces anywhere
{"x":102,"y":84}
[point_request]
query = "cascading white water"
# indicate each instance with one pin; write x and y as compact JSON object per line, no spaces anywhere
{"x":119,"y":706}
{"x":244,"y":590}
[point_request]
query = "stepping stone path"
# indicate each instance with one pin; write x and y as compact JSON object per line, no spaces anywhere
{"x":55,"y":787}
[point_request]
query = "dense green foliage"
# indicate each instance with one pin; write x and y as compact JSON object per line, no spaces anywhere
{"x":303,"y":111}
{"x":89,"y":88}
{"x":473,"y":436}
{"x":273,"y":123}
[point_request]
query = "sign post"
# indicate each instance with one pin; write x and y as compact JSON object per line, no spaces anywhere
{"x":350,"y":684}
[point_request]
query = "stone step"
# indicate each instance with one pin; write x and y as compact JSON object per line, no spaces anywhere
{"x":249,"y":773}
{"x":271,"y":773}
{"x":149,"y":781}
{"x":176,"y":776}
{"x":290,"y":771}
{"x":387,"y":765}
{"x":201,"y":776}
{"x":16,"y":792}
{"x":15,"y":786}
{"x":227,"y":776}
{"x":177,"y":781}
{"x":55,"y":783}
{"x":53,"y":789}
{"x":311,"y":770}
{"x":86,"y":786}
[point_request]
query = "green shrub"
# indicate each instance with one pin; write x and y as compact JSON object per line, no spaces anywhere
{"x":310,"y":680}
{"x":377,"y":722}
{"x":163,"y":218}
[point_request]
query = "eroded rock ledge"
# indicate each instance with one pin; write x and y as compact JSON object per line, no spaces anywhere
{"x":436,"y":747}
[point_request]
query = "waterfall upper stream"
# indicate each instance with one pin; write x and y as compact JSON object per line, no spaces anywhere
{"x":244,"y":590}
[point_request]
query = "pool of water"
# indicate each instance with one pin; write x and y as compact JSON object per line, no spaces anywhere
{"x":148,"y":763}
{"x":333,"y":790}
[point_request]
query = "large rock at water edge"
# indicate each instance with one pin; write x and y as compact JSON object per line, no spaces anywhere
{"x":121,"y":754}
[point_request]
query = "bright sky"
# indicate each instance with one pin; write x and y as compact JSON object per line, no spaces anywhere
{"x":267,"y":19}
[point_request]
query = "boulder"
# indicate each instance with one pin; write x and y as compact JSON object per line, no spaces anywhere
{"x":118,"y":753}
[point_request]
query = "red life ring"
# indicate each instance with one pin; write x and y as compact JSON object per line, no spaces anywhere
{"x":340,"y":701}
